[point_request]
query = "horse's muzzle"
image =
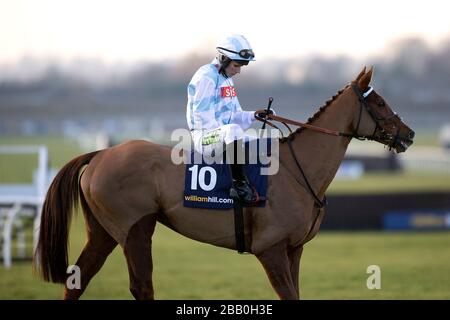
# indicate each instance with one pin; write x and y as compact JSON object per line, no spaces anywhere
{"x":402,"y":143}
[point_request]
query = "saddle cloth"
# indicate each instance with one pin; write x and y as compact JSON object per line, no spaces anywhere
{"x":208,"y":185}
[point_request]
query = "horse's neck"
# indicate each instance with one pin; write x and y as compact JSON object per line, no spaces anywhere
{"x":321,"y":154}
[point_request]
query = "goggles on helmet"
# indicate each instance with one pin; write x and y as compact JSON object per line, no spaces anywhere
{"x":244,"y":53}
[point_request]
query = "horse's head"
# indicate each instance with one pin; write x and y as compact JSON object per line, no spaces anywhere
{"x":375,"y":120}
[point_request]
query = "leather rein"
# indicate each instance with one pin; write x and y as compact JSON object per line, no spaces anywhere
{"x":361,"y":98}
{"x":318,"y":203}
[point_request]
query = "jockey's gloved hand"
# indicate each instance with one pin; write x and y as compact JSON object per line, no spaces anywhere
{"x":263,"y":112}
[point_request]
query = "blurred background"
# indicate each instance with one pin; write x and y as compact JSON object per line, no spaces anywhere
{"x":76,"y":76}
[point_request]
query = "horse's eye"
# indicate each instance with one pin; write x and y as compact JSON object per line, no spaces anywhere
{"x":381,"y":104}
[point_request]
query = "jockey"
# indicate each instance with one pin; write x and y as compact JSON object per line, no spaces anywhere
{"x":214,"y":114}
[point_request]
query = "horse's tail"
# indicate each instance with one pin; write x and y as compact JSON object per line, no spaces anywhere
{"x":51,"y":258}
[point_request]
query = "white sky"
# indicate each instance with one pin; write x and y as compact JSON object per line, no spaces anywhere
{"x":129,"y":30}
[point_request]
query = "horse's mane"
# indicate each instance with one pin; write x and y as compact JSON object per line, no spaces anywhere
{"x":315,"y":115}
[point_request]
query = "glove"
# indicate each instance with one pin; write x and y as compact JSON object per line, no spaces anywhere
{"x":263,"y":112}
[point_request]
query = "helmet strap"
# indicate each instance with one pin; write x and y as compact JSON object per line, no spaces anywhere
{"x":224,"y":62}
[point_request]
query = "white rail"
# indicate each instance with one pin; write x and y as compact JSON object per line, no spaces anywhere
{"x":15,"y":198}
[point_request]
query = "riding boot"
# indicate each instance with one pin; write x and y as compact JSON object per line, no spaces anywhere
{"x":240,"y":190}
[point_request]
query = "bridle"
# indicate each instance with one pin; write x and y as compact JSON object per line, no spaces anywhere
{"x":379,"y":121}
{"x":383,"y":134}
{"x":362,"y":103}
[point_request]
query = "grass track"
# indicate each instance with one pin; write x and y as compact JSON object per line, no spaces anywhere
{"x":413,"y":266}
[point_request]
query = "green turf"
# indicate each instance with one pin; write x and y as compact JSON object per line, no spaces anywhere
{"x":16,"y":168}
{"x":389,"y":182}
{"x":413,"y":266}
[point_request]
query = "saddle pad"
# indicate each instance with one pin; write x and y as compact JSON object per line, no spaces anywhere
{"x":208,"y":185}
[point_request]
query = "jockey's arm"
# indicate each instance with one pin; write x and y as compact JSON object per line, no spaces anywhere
{"x":243,"y":118}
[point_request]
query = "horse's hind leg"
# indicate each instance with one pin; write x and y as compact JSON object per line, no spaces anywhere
{"x":138,"y":252}
{"x":276,"y":262}
{"x":98,"y":246}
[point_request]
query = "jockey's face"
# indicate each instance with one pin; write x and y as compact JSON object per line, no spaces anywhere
{"x":233,"y":69}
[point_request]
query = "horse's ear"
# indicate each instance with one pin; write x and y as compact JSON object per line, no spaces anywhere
{"x":363,"y":83}
{"x":363,"y":71}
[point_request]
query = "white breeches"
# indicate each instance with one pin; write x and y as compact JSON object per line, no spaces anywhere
{"x":208,"y":140}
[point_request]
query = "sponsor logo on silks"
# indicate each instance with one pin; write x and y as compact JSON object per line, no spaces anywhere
{"x":227,"y":92}
{"x":211,"y":138}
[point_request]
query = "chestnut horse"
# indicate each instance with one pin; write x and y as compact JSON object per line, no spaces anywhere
{"x":126,"y":189}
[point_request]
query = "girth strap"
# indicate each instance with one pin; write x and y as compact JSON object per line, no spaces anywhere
{"x":239,"y":226}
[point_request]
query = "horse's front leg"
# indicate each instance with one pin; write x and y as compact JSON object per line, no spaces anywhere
{"x":294,"y":255}
{"x":277,"y":264}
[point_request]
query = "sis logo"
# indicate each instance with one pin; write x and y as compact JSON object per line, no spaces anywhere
{"x":227,"y":92}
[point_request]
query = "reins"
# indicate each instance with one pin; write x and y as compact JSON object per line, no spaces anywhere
{"x":285,"y":121}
